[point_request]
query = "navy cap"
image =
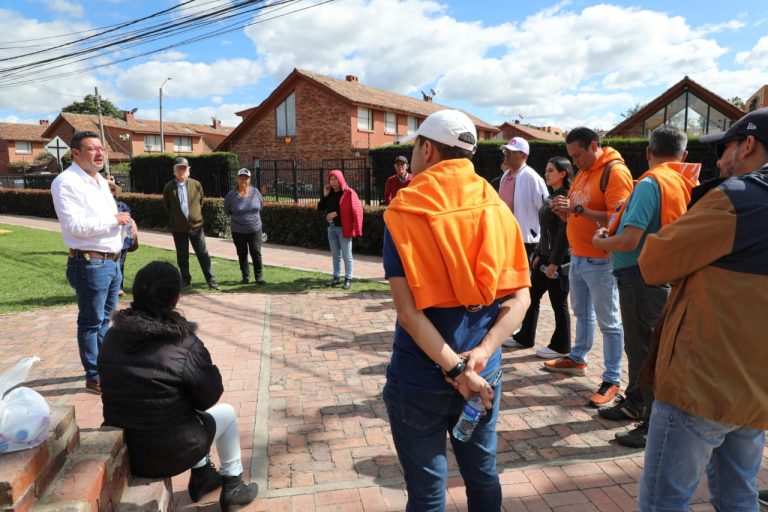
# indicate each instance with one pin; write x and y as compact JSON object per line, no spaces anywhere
{"x":754,"y":123}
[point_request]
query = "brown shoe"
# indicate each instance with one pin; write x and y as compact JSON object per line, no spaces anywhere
{"x":604,"y":394}
{"x":566,"y":365}
{"x":93,"y":386}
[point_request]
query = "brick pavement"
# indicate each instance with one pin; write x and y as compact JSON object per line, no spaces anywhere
{"x":305,"y":371}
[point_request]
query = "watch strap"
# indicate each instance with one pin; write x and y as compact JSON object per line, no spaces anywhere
{"x":457,"y":370}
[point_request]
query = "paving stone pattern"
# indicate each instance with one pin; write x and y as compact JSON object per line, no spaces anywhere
{"x":305,"y":373}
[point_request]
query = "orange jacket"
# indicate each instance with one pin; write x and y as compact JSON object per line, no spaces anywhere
{"x":459,"y":243}
{"x":585,"y":190}
{"x":675,"y":184}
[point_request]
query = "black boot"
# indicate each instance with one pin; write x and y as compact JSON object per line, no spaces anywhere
{"x":203,"y":480}
{"x":235,"y":492}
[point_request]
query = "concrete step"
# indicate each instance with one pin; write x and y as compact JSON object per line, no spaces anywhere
{"x":93,"y":478}
{"x":147,"y":495}
{"x":27,"y":474}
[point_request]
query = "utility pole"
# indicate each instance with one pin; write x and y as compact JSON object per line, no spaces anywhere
{"x":101,"y":129}
{"x":162,"y":137}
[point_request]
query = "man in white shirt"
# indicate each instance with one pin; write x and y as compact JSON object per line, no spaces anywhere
{"x":522,"y":189}
{"x":92,"y":230}
{"x":524,"y":192}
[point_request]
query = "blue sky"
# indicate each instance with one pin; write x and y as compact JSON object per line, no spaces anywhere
{"x":549,"y":63}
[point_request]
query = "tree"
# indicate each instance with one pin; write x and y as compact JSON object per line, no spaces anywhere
{"x":632,"y":111}
{"x":88,"y":106}
{"x":737,"y":102}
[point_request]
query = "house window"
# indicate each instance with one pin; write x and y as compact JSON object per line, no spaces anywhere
{"x":285,"y":116}
{"x":390,"y":123}
{"x":413,"y":125}
{"x":23,"y":147}
{"x":152,"y":143}
{"x":364,"y":119}
{"x":182,"y":144}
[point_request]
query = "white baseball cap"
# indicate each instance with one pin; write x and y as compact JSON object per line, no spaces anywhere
{"x":450,"y":127}
{"x":517,"y":144}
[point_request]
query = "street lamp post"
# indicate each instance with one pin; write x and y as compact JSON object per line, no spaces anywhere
{"x":162,"y":137}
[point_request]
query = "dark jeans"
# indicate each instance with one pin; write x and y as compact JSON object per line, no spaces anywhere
{"x":245,"y":243}
{"x":641,"y":305}
{"x":197,"y":239}
{"x":123,"y":255}
{"x":419,"y":420}
{"x":96,"y":283}
{"x":558,"y":297}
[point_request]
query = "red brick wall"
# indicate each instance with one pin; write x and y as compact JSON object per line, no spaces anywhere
{"x":322,"y":129}
{"x":8,"y":155}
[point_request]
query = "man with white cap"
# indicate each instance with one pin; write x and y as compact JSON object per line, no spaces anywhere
{"x":524,"y":192}
{"x":183,"y":200}
{"x":707,"y":365}
{"x":522,"y":189}
{"x":457,"y":268}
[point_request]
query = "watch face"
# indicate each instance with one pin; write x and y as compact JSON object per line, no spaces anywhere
{"x":578,"y":208}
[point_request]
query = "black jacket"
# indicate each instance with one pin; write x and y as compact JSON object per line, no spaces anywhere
{"x":157,"y":378}
{"x":553,"y":245}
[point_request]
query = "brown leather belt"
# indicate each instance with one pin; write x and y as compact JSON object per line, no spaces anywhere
{"x":87,"y":255}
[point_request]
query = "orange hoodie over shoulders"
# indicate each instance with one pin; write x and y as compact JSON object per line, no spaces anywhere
{"x":585,"y":190}
{"x":675,"y":180}
{"x":459,"y":243}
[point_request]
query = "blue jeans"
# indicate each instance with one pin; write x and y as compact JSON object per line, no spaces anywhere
{"x":419,"y":419}
{"x":594,"y":294}
{"x":340,"y":248}
{"x":680,"y":445}
{"x":96,"y":283}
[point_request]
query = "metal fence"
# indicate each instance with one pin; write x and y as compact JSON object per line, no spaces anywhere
{"x":43,"y":181}
{"x":302,"y":181}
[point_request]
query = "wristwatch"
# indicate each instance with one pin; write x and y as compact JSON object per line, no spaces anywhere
{"x":457,"y":370}
{"x":578,"y":209}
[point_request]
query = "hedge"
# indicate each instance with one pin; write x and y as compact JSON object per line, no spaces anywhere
{"x":285,"y":223}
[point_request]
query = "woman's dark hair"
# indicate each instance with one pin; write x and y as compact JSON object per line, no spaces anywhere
{"x":562,"y":164}
{"x":155,"y":288}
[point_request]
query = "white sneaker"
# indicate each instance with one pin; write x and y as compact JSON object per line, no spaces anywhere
{"x":548,"y":353}
{"x":510,"y":342}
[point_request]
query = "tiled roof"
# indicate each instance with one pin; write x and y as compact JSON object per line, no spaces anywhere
{"x":24,"y":132}
{"x":91,"y":122}
{"x":364,"y":95}
{"x":535,"y":132}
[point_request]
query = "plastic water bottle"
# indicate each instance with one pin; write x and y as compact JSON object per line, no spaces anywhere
{"x":543,"y":269}
{"x":470,"y":417}
{"x":128,"y":234}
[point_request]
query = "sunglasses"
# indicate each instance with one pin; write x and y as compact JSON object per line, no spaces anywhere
{"x":720,"y":148}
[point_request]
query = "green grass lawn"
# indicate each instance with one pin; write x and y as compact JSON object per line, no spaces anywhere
{"x":33,"y":264}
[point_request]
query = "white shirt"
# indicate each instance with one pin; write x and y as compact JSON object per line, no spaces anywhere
{"x":530,"y":192}
{"x":86,"y":211}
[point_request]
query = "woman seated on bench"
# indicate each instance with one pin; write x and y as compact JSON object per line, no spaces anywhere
{"x":160,"y":386}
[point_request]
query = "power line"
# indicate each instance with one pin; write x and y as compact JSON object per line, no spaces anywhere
{"x":233,"y":16}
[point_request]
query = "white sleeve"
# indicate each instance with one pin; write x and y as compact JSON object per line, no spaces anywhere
{"x":71,"y":210}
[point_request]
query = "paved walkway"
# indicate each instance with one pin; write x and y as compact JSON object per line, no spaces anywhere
{"x":305,"y":372}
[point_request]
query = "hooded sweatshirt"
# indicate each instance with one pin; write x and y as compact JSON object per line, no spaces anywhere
{"x":350,"y":209}
{"x":458,"y":241}
{"x":585,"y":190}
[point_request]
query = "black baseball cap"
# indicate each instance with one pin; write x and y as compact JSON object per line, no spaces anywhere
{"x":754,"y":123}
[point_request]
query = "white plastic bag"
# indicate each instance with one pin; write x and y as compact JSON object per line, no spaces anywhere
{"x":24,"y":413}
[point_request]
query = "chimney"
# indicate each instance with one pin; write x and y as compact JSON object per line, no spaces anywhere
{"x":43,"y":122}
{"x":127,"y":116}
{"x":351,"y":78}
{"x":549,"y":129}
{"x":517,"y":121}
{"x":216,"y":124}
{"x":428,"y":99}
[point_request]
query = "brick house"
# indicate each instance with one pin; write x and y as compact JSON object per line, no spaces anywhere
{"x":528,"y":132}
{"x":129,"y":136}
{"x":311,"y":117}
{"x":20,"y":143}
{"x":687,"y":105}
{"x":757,"y":100}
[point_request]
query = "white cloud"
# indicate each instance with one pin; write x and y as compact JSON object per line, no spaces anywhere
{"x":217,"y":100}
{"x":757,"y":56}
{"x":65,"y":8}
{"x":189,"y":79}
{"x":199,"y":114}
{"x":548,"y":65}
{"x":170,"y":55}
